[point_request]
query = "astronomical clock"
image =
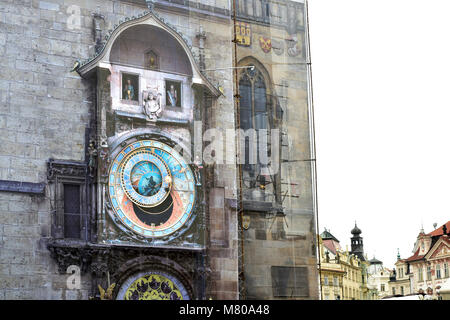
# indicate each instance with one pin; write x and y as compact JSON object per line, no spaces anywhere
{"x":152,"y":189}
{"x":146,"y":234}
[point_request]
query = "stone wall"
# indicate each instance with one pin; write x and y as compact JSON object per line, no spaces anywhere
{"x":284,"y":239}
{"x":44,"y":112}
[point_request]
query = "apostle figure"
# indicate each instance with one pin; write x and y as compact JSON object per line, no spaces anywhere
{"x":128,"y":91}
{"x":173,"y":96}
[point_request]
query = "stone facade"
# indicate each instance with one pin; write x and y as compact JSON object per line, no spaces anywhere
{"x":60,"y":99}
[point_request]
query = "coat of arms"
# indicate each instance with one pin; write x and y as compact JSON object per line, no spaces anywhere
{"x":243,"y":33}
{"x":278,"y":46}
{"x":293,"y":49}
{"x":265,"y":43}
{"x":152,"y":103}
{"x":246,"y":222}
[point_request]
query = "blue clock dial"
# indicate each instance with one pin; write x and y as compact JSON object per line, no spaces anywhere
{"x":152,"y":188}
{"x":146,"y":178}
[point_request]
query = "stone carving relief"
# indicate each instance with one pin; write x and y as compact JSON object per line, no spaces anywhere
{"x":152,"y":107}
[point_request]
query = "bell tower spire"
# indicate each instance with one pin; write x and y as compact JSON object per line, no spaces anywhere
{"x":357,"y":243}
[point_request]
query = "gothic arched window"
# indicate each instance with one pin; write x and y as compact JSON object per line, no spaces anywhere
{"x":253,"y":116}
{"x":253,"y":107}
{"x":253,"y":100}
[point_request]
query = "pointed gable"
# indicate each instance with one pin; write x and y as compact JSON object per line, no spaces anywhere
{"x":441,"y":249}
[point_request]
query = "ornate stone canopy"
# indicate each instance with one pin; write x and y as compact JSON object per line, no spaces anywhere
{"x":150,"y":18}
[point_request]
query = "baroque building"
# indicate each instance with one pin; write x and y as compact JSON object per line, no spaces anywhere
{"x":156,"y":150}
{"x":428,"y":267}
{"x":344,"y":275}
{"x":331,"y":270}
{"x":400,"y":281}
{"x":379,"y":277}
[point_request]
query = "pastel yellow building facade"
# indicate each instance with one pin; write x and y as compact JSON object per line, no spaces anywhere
{"x":331,"y":273}
{"x":343,"y":275}
{"x":400,"y":281}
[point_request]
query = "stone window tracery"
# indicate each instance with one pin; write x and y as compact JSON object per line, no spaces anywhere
{"x":253,"y":115}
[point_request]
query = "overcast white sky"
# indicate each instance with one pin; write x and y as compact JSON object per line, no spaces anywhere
{"x":381,"y":81}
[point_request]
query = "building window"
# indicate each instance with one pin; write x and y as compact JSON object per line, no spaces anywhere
{"x":336,"y":281}
{"x":393,"y":291}
{"x":382,"y":288}
{"x":420,"y":272}
{"x":253,"y":112}
{"x":69,"y":219}
{"x":400,"y":272}
{"x":290,"y":281}
{"x":402,"y":291}
{"x":428,"y":273}
{"x":446,"y":270}
{"x":72,"y":211}
{"x":253,"y":102}
{"x":325,"y":280}
{"x":438,"y":271}
{"x":256,"y":121}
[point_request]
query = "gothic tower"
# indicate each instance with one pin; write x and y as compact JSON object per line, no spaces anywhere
{"x":156,"y":149}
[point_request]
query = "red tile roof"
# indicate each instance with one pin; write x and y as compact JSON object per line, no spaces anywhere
{"x":415,"y":256}
{"x":329,"y":244}
{"x":438,"y":231}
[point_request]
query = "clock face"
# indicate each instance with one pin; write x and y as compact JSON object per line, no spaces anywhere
{"x":152,"y":188}
{"x":152,"y":285}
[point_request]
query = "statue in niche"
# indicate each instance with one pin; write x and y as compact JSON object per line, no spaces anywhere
{"x":173,"y":90}
{"x":152,"y":62}
{"x":172,"y":93}
{"x":128,"y":91}
{"x":151,"y":59}
{"x":152,"y":103}
{"x":197,"y":166}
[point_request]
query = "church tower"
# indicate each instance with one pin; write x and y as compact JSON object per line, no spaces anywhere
{"x":162,"y":149}
{"x":357,"y":243}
